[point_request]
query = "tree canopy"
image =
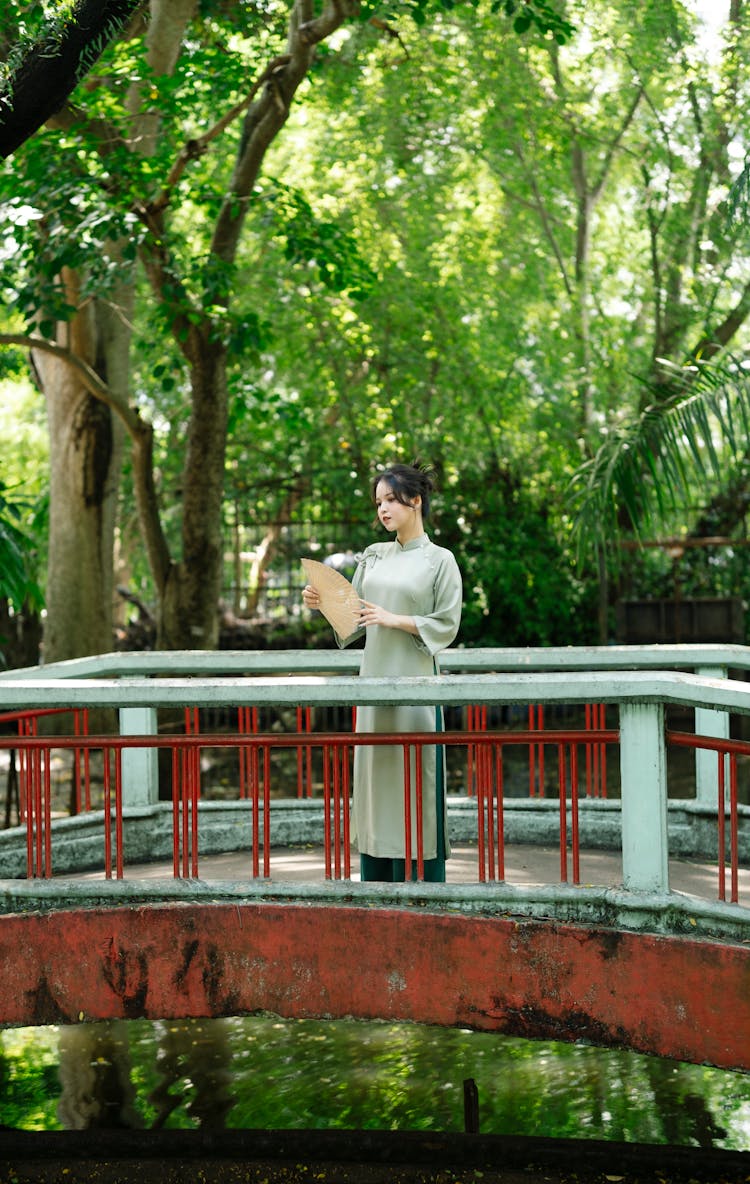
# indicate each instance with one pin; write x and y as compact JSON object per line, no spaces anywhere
{"x":483,"y":233}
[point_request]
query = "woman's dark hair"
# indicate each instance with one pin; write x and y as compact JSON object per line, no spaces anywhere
{"x":407,"y":482}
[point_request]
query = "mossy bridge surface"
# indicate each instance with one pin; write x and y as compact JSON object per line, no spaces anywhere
{"x":181,"y":845}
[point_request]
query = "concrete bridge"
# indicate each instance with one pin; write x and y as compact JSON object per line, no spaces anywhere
{"x":606,"y":951}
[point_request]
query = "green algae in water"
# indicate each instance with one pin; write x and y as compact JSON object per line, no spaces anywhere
{"x":271,"y":1074}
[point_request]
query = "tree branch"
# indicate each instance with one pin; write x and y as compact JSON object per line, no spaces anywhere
{"x":130,"y":416}
{"x":55,"y":64}
{"x":615,"y":143}
{"x":141,"y":433}
{"x":267,"y":115}
{"x":712,"y":343}
{"x":194,"y":149}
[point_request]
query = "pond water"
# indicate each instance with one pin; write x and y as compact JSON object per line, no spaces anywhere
{"x":262,"y":1072}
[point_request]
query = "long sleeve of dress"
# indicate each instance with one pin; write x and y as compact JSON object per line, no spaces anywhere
{"x":439,"y":628}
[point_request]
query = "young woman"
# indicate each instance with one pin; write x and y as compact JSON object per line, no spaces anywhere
{"x":411,"y":609}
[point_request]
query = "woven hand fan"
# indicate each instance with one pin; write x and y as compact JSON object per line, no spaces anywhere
{"x":339,"y":602}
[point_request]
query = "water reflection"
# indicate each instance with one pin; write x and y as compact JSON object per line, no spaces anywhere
{"x":96,"y":1089}
{"x":194,"y":1064}
{"x":267,"y":1073}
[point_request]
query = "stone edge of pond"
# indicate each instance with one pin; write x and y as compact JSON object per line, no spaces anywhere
{"x":385,"y":1155}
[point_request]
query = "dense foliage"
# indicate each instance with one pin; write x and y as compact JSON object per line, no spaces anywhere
{"x":477,"y":240}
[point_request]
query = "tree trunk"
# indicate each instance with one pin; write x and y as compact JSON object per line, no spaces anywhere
{"x":85,"y":460}
{"x":86,"y":439}
{"x":189,"y":595}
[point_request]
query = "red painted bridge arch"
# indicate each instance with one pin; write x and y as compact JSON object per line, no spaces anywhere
{"x":680,"y":997}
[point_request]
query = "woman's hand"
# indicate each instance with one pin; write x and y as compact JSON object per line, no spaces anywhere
{"x":373,"y":614}
{"x":310,"y":597}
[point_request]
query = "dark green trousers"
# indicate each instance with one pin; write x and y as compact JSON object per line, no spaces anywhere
{"x":373,"y":867}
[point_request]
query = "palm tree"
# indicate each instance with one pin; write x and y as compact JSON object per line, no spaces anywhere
{"x":647,"y":471}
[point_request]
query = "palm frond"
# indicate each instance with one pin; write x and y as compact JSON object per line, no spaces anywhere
{"x":650,"y":468}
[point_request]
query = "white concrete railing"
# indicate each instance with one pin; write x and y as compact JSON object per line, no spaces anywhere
{"x":710,"y":661}
{"x":713,"y":660}
{"x":567,"y":678}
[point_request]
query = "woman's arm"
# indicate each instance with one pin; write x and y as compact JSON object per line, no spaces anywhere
{"x":373,"y":614}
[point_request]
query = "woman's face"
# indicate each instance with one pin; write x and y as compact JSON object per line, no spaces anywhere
{"x":393,"y":514}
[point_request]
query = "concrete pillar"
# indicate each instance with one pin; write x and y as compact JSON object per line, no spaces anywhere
{"x":709,"y":722}
{"x":643,"y":767}
{"x":140,"y":766}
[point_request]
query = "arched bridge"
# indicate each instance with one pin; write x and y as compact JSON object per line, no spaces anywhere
{"x":628,"y":763}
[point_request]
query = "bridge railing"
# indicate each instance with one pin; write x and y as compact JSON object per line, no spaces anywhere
{"x":638,"y":697}
{"x":255,"y":791}
{"x":713,"y":661}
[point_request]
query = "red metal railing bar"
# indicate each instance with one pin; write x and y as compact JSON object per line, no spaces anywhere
{"x":347,"y":828}
{"x":589,"y":753}
{"x":712,"y":743}
{"x":536,"y":752}
{"x":594,"y":789}
{"x":184,"y":828}
{"x":327,"y":840}
{"x":27,"y":812}
{"x":603,"y":753}
{"x":418,"y":753}
{"x":77,"y":754}
{"x":37,"y":775}
{"x":721,"y":808}
{"x":119,"y":852}
{"x":733,"y":836}
{"x":407,"y":810}
{"x":574,"y":829}
{"x":175,"y":813}
{"x":255,"y":797}
{"x":476,"y":721}
{"x":24,"y":714}
{"x":30,"y":813}
{"x":499,"y":790}
{"x":81,"y":728}
{"x":486,"y":773}
{"x":304,"y":755}
{"x":481,"y":818}
{"x":47,"y":766}
{"x":317,"y":739}
{"x":196,"y":789}
{"x":107,"y":804}
{"x":470,"y":755}
{"x":335,"y":810}
{"x":267,"y":812}
{"x":563,"y":803}
{"x":242,"y":728}
{"x":596,"y":755}
{"x":26,"y":770}
{"x":532,"y":757}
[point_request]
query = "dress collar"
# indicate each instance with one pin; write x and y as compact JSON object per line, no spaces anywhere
{"x":412,"y":544}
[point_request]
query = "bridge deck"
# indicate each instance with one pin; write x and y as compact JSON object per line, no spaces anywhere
{"x":525,"y":864}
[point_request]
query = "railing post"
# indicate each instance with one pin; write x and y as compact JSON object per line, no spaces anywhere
{"x":643,"y":766}
{"x":140,"y":766}
{"x":709,"y":722}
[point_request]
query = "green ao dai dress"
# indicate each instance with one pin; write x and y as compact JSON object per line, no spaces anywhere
{"x":420,"y":580}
